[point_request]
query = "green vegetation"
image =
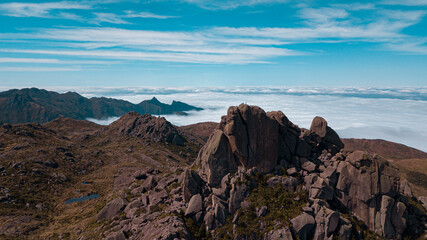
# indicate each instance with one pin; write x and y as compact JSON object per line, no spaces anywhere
{"x":282,"y":207}
{"x":197,"y":231}
{"x":174,"y":185}
{"x":158,"y":208}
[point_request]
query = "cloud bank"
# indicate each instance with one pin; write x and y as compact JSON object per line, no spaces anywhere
{"x":396,"y":115}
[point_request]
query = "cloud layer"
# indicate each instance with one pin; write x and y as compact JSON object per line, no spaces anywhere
{"x":353,"y":112}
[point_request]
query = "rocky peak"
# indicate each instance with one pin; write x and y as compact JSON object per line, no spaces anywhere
{"x":154,"y":100}
{"x":251,"y":143}
{"x":147,"y":126}
{"x":250,"y":137}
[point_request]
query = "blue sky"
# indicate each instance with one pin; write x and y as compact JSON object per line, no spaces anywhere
{"x":121,"y":43}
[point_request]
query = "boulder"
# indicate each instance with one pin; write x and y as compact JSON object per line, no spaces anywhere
{"x":140,"y":174}
{"x":330,"y":175}
{"x":192,"y":184}
{"x":326,"y":135}
{"x":327,"y":222}
{"x":238,"y":193}
{"x":321,"y":190}
{"x":307,"y":165}
{"x":405,"y":189}
{"x":216,"y":158}
{"x":195,"y":205}
{"x":157,"y":197}
{"x":149,"y":183}
{"x":291,"y":171}
{"x":220,"y":209}
{"x":112,"y":209}
{"x":290,"y":183}
{"x":116,"y":236}
{"x":280,"y":234}
{"x":262,"y":211}
{"x":168,"y":228}
{"x":132,"y":205}
{"x":303,"y":225}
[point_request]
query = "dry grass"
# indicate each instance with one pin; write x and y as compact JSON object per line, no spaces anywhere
{"x":97,"y":160}
{"x":408,"y":167}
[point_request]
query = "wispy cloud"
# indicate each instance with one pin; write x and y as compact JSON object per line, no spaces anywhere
{"x":42,"y":10}
{"x":355,"y":6}
{"x":52,"y":61}
{"x":416,"y":46}
{"x":405,"y":2}
{"x":120,"y":18}
{"x":58,"y":10}
{"x":230,"y":4}
{"x":37,"y":69}
{"x":133,"y":14}
{"x":337,"y":24}
{"x":108,"y":17}
{"x":325,"y":15}
{"x":244,"y":57}
{"x":229,"y":45}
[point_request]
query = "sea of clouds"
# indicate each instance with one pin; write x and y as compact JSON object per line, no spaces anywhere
{"x":394,"y":114}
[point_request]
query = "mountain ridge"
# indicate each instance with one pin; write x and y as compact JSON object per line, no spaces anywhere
{"x":33,"y":105}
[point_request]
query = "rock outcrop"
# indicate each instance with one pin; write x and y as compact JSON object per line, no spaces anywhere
{"x":146,"y":126}
{"x":259,"y":176}
{"x":364,"y":185}
{"x":249,"y":137}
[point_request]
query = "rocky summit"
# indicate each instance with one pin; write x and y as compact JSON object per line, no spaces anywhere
{"x":257,"y":176}
{"x":146,"y":126}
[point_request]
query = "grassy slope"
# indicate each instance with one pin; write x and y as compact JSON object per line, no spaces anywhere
{"x":98,"y":159}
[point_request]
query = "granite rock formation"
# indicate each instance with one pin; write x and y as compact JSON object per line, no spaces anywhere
{"x":259,"y":176}
{"x":146,"y":126}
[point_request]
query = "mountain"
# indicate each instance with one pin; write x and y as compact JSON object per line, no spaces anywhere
{"x":254,"y":175}
{"x":390,"y":150}
{"x":154,"y":106}
{"x":32,"y":105}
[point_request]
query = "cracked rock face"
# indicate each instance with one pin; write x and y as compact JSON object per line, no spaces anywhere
{"x":248,"y":137}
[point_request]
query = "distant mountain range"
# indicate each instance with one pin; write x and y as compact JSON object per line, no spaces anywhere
{"x":40,"y":106}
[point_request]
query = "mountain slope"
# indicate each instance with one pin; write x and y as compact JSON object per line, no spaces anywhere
{"x":384,"y":148}
{"x":40,"y":106}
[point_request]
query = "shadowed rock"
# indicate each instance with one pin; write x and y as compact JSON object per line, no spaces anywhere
{"x":217,"y":158}
{"x":326,"y":135}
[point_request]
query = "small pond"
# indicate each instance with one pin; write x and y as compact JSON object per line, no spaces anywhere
{"x":81,"y":199}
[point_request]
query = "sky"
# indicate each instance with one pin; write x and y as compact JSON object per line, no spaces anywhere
{"x":208,"y":43}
